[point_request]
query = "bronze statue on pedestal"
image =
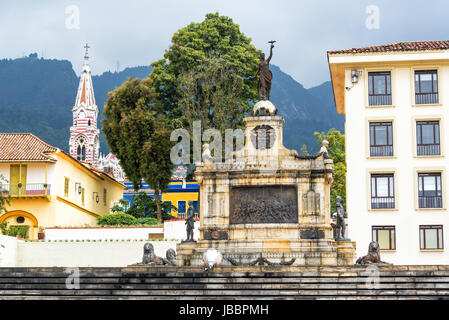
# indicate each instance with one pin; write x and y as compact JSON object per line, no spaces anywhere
{"x":264,"y":86}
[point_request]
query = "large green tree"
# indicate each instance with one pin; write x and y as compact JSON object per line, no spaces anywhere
{"x":212,"y":93}
{"x":336,"y":150}
{"x":138,"y":133}
{"x":190,"y":52}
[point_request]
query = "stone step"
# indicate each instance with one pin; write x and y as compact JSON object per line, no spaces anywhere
{"x":236,"y":293}
{"x":255,"y":281}
{"x":227,"y":286}
{"x":394,"y":282}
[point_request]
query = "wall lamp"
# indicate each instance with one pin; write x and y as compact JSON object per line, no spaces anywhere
{"x":355,"y":74}
{"x":97,"y":198}
{"x":79,"y":187}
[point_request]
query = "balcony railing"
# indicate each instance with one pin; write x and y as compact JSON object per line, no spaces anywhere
{"x":426,"y":98}
{"x":381,"y":151}
{"x":382,"y":202}
{"x":380,"y":100}
{"x":430,"y":202}
{"x":183,"y":216}
{"x":428,"y":149}
{"x":25,"y":190}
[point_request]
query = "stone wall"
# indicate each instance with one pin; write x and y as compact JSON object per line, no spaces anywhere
{"x":85,"y":254}
{"x":8,"y":251}
{"x":103,"y":233}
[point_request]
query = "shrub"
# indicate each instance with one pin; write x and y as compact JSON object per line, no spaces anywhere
{"x":147,"y":221}
{"x":18,"y":231}
{"x":118,"y":218}
{"x":4,"y":227}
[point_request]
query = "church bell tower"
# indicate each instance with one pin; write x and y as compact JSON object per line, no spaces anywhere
{"x":84,"y":134}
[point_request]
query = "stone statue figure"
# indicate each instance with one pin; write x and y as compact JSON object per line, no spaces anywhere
{"x":190,"y":222}
{"x":340,"y":216}
{"x":265,"y":75}
{"x":323,"y":149}
{"x":206,"y":155}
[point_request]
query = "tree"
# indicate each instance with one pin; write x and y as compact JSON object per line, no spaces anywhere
{"x":122,"y":206}
{"x":336,"y":150}
{"x":144,"y":206}
{"x":4,"y":195}
{"x":212,"y":93}
{"x":216,"y":36}
{"x":138,"y":133}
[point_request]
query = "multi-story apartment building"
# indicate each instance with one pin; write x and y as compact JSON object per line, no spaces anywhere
{"x":396,"y":102}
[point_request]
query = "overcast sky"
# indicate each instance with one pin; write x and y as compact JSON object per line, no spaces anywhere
{"x":137,"y":32}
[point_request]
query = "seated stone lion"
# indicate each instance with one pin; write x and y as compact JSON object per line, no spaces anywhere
{"x":373,"y":255}
{"x":170,"y":254}
{"x":150,"y":258}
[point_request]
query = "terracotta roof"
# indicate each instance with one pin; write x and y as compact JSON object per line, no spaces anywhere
{"x":24,"y":147}
{"x":400,"y":46}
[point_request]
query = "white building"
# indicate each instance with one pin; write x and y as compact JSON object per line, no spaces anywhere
{"x":396,"y":102}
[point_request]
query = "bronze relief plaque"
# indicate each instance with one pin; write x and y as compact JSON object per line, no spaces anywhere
{"x":264,"y":204}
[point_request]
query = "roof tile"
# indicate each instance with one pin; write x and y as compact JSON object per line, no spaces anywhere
{"x":400,"y":46}
{"x":24,"y":147}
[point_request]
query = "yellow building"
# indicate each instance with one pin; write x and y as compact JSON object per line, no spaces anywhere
{"x":179,"y":194}
{"x":49,"y":188}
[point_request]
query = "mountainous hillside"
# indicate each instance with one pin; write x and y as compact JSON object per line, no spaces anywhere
{"x":305,"y":110}
{"x":37,"y":96}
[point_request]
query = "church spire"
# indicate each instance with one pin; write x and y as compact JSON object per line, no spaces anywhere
{"x":85,"y":94}
{"x":84,"y":134}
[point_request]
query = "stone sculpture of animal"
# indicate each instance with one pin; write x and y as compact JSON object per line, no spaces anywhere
{"x":373,"y":255}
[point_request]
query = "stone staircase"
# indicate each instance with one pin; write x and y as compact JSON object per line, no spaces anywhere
{"x":257,"y":282}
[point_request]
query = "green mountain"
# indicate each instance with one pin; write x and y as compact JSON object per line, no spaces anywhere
{"x":37,"y":96}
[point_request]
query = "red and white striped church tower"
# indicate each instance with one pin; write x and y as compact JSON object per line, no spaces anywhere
{"x":84,"y":134}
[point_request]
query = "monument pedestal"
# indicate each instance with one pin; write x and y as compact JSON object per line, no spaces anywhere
{"x":266,"y":203}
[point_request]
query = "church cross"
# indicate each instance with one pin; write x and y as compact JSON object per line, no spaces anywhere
{"x":87,"y":48}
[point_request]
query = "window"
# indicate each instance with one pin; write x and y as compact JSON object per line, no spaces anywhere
{"x":195,"y":205}
{"x":385,"y":236}
{"x":429,"y":190}
{"x":428,"y":138}
{"x":105,"y":193}
{"x":81,"y":149}
{"x":195,"y":208}
{"x":18,"y":179}
{"x":426,"y":87}
{"x":181,"y":206}
{"x":381,"y":139}
{"x":379,"y":87}
{"x":431,"y":237}
{"x":66,"y":187}
{"x":382,"y":191}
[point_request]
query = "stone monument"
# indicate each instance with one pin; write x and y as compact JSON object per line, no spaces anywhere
{"x":267,"y":204}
